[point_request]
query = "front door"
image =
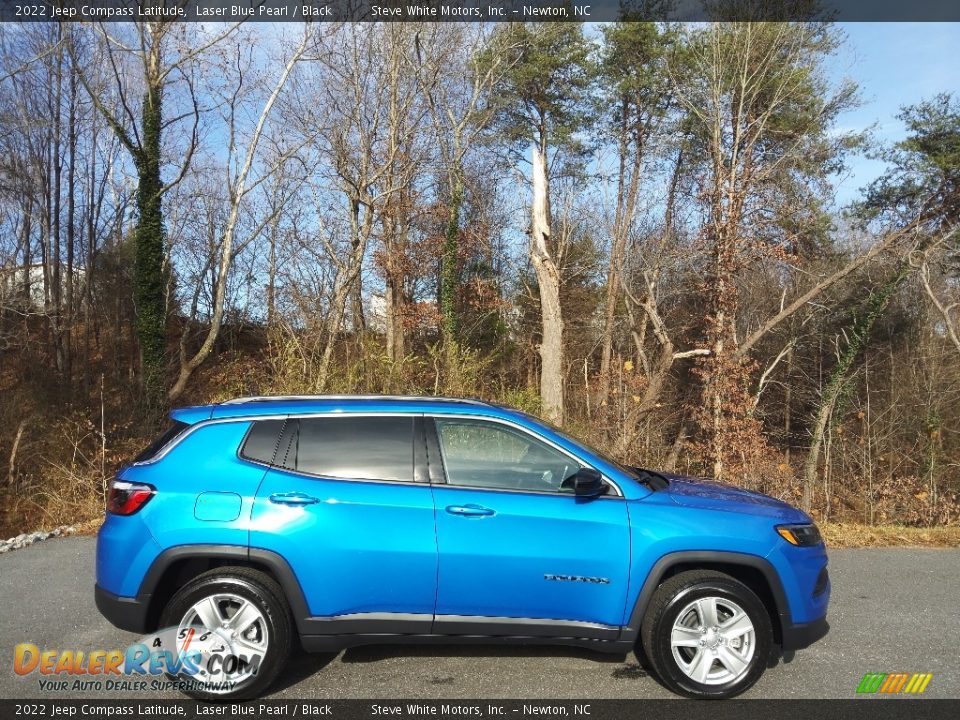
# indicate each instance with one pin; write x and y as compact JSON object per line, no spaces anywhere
{"x":519,"y":553}
{"x":343,"y":508}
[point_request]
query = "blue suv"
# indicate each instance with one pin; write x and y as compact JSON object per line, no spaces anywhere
{"x":342,"y":520}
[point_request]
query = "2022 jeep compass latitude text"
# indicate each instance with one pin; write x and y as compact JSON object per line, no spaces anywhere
{"x":342,"y":521}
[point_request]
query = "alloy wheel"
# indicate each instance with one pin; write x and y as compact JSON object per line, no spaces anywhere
{"x":713,"y":640}
{"x":231,"y":625}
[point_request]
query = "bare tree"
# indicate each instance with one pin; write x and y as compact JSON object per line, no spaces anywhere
{"x":544,"y":104}
{"x":239,"y":186}
{"x":945,"y":298}
{"x":762,"y":109}
{"x":460,"y":110}
{"x":360,"y":154}
{"x":161,"y":56}
{"x":635,"y":60}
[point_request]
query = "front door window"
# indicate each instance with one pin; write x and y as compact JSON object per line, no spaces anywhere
{"x":488,"y":455}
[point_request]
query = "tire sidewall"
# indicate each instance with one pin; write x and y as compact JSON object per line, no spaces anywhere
{"x":763,"y":632}
{"x":274,"y":613}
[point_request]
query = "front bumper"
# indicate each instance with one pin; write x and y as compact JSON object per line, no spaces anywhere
{"x":797,"y":637}
{"x":805,"y":581}
{"x":126,"y":613}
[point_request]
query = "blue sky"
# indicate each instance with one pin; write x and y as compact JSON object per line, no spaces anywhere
{"x":895,"y":64}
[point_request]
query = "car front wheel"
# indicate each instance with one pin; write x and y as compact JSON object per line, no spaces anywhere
{"x":706,"y":635}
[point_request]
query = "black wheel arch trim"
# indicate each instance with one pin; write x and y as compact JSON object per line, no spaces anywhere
{"x":273,"y":562}
{"x":631,"y":631}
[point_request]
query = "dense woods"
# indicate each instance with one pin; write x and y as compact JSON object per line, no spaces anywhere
{"x":629,"y":230}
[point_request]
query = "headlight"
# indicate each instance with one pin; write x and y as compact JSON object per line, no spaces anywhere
{"x":800,"y":535}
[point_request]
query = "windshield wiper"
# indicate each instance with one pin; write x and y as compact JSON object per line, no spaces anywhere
{"x":654,"y":480}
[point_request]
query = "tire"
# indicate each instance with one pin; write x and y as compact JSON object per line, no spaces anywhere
{"x":706,"y":664}
{"x":263,"y":642}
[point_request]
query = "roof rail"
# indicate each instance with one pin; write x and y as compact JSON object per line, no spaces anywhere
{"x":408,"y":398}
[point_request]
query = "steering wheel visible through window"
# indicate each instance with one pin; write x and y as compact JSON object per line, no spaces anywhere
{"x":486,"y":454}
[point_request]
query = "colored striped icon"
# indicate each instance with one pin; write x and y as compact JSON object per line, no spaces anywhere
{"x":894,"y":683}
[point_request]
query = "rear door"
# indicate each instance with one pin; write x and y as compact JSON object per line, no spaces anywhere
{"x":519,"y":553}
{"x":346,"y":509}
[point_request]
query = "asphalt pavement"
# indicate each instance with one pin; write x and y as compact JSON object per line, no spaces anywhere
{"x":893,"y":610}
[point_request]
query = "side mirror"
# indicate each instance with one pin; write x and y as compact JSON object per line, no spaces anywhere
{"x":588,"y":483}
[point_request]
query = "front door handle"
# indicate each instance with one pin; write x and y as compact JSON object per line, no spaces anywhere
{"x":470,"y":510}
{"x":293,"y":498}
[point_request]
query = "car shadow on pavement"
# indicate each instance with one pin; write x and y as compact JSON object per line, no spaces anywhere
{"x":301,"y":666}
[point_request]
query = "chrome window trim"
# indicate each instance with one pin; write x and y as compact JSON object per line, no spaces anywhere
{"x":337,"y":398}
{"x":618,"y":493}
{"x":254,"y":418}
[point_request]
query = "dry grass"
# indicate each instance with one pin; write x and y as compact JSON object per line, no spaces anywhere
{"x":88,"y":527}
{"x":852,"y":535}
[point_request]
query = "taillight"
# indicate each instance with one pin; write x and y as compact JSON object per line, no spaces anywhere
{"x":125,"y":498}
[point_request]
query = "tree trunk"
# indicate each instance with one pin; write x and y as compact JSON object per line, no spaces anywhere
{"x":272,"y":273}
{"x":548,"y":281}
{"x":628,"y":187}
{"x":724,"y":306}
{"x":344,"y":284}
{"x":12,"y":464}
{"x":55,"y":311}
{"x":787,"y":400}
{"x":617,"y":247}
{"x":27,"y":251}
{"x":394,"y":308}
{"x":149,"y":282}
{"x":356,"y":301}
{"x":71,"y":226}
{"x":448,"y":268}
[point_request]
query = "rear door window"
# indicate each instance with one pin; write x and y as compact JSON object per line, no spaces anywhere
{"x":356,"y":448}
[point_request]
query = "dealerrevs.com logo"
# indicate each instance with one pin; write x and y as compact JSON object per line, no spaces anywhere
{"x":176,"y":658}
{"x":894,"y":683}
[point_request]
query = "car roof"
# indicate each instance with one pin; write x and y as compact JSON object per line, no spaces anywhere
{"x":267,"y":405}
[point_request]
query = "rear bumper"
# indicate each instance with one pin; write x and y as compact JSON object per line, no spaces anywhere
{"x":797,"y":637}
{"x":125,"y":613}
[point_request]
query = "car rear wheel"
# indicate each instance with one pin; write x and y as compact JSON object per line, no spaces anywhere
{"x":236,"y":624}
{"x":706,"y":635}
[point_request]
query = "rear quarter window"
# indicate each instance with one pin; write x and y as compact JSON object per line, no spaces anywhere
{"x":154,"y":448}
{"x":260,"y":445}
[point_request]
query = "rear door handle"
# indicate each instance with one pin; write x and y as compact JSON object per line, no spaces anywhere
{"x":293,"y":498}
{"x":470,"y":510}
